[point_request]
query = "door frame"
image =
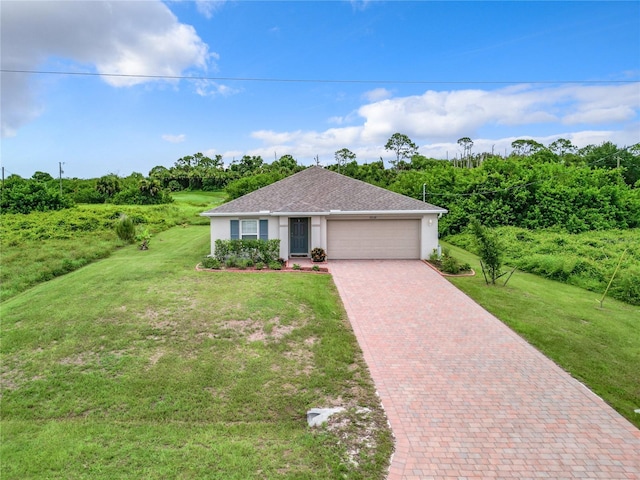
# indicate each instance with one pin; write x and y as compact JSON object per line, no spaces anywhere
{"x":292,"y":220}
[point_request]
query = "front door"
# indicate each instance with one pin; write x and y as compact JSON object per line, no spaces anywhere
{"x":299,"y":232}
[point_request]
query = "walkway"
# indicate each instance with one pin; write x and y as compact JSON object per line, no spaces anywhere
{"x":468,"y":398}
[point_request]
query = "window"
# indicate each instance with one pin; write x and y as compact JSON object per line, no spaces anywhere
{"x":250,"y":229}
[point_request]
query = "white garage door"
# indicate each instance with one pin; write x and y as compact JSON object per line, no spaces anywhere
{"x":364,"y":239}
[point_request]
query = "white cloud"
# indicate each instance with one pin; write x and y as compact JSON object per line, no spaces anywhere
{"x":209,"y":88}
{"x":377,"y":94}
{"x":209,"y":7}
{"x":435,"y":120}
{"x":124,"y":38}
{"x":174,"y":138}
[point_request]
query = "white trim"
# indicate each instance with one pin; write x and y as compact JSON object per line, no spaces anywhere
{"x":330,"y":213}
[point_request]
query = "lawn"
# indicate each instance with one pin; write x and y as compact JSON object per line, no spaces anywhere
{"x":598,"y":346}
{"x":138,"y":366}
{"x":42,"y":245}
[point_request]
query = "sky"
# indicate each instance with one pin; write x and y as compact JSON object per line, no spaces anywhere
{"x":143,"y":83}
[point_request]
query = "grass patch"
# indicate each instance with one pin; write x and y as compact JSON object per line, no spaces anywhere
{"x":597,"y":346}
{"x":42,"y":245}
{"x":586,"y":260}
{"x":140,"y":366}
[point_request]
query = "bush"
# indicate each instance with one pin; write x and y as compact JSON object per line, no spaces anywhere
{"x":231,"y":262}
{"x":125,"y":229}
{"x":315,"y":268}
{"x":450,"y":265}
{"x":275,"y":266}
{"x":489,"y":251}
{"x":210,"y":262}
{"x":260,"y":265}
{"x":265,"y":251}
{"x":296,"y":266}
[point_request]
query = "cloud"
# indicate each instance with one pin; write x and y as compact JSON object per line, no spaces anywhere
{"x":123,"y":38}
{"x":174,"y":138}
{"x":209,"y":88}
{"x":377,"y":94}
{"x":436,"y":119}
{"x":209,"y":7}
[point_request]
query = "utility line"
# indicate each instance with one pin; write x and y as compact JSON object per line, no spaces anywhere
{"x":315,"y":80}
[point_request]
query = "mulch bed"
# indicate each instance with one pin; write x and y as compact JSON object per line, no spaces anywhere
{"x":255,"y":270}
{"x":468,"y":273}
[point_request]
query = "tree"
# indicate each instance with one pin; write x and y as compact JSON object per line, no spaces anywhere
{"x":150,"y":187}
{"x":108,"y":185}
{"x":526,"y":147}
{"x":466,"y":143}
{"x":562,"y":146}
{"x":41,"y":177}
{"x":344,"y":156}
{"x":402,"y":146}
{"x":489,"y":251}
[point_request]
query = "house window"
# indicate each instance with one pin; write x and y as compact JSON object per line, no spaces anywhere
{"x":250,"y":229}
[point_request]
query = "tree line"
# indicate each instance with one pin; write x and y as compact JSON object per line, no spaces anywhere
{"x":535,"y":186}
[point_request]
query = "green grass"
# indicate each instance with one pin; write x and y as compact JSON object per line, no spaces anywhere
{"x":586,"y":260}
{"x":598,"y":346}
{"x":138,"y":366}
{"x":42,"y":245}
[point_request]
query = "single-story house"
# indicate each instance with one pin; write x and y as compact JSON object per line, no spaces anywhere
{"x":348,"y":218}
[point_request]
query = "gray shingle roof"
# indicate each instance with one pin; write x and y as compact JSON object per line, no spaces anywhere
{"x":317,"y":190}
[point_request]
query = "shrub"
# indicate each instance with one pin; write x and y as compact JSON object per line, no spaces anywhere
{"x":275,"y":266}
{"x":260,"y":265}
{"x":315,"y":268}
{"x":450,"y":265}
{"x":265,"y":251}
{"x":318,"y":254}
{"x":489,"y":251}
{"x":231,"y":262}
{"x":125,"y":229}
{"x":211,"y":262}
{"x":296,"y":266}
{"x":144,"y":237}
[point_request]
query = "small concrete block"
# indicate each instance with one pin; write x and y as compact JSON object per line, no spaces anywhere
{"x":318,"y":416}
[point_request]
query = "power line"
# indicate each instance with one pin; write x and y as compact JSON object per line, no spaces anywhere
{"x":316,"y":80}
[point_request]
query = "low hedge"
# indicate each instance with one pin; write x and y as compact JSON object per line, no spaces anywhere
{"x":265,"y":251}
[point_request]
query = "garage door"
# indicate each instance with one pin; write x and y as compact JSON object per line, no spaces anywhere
{"x":364,"y":239}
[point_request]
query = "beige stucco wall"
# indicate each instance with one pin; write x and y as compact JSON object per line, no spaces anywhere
{"x":279,"y":228}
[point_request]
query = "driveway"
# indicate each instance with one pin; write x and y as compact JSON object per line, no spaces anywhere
{"x":468,"y":398}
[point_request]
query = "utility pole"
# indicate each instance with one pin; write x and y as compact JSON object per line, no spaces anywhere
{"x":424,"y":192}
{"x":60,"y":172}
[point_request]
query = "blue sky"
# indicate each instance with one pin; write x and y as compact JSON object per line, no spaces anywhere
{"x":307,"y":79}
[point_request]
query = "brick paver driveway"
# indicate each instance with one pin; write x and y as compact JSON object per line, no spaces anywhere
{"x":467,"y":397}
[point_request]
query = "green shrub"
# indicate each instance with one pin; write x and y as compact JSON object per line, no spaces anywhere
{"x":296,"y":266}
{"x":125,"y":229}
{"x":211,"y":262}
{"x":144,"y":237}
{"x":231,"y":262}
{"x":275,"y":266}
{"x":260,"y":265}
{"x":244,"y":263}
{"x":265,"y":251}
{"x":315,"y":268}
{"x":450,"y":265}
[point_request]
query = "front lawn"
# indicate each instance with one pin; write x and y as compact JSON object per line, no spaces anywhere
{"x":139,"y":366}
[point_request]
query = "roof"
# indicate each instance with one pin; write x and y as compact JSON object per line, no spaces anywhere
{"x":317,"y":190}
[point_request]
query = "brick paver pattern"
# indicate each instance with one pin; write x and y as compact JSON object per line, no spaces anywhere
{"x":466,"y":397}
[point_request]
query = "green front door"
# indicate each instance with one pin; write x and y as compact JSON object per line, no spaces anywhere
{"x":299,"y":233}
